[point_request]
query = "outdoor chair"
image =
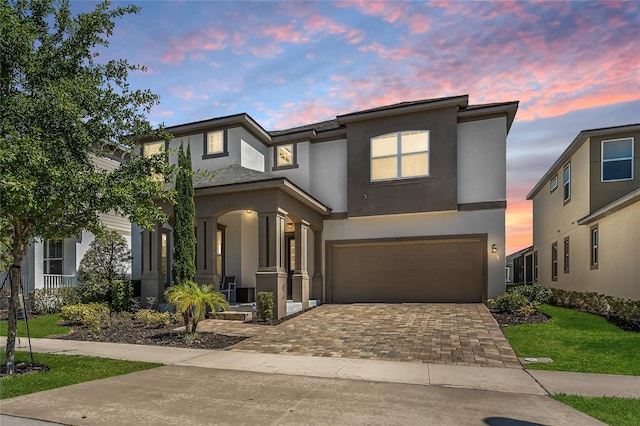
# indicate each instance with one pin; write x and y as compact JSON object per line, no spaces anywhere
{"x":228,"y":286}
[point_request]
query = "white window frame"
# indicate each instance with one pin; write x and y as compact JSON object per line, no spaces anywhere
{"x":47,"y":260}
{"x":553,"y":183}
{"x":602,"y":160}
{"x":566,"y":183}
{"x":399,"y":154}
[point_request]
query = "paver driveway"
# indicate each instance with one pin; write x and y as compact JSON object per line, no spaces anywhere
{"x":460,"y":334}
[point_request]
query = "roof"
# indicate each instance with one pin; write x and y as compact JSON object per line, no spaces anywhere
{"x":612,"y":208}
{"x":235,"y":178}
{"x":575,"y":145}
{"x":230,"y":175}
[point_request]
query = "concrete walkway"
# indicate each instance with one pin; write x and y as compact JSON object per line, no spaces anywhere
{"x":236,"y":387}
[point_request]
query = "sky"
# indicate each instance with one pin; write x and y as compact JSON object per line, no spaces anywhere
{"x":571,"y":65}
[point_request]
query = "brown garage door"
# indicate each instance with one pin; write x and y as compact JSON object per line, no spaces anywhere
{"x":443,"y":270}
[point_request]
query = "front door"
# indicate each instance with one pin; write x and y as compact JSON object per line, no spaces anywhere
{"x":291,"y":264}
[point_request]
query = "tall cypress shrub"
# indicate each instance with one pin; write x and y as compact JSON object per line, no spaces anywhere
{"x":184,"y":239}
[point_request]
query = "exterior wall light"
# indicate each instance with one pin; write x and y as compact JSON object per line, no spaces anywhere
{"x":494,"y":248}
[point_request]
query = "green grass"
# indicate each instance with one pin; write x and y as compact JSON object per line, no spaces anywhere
{"x":38,"y":327}
{"x":64,"y":370}
{"x":613,"y":411}
{"x":577,"y":342}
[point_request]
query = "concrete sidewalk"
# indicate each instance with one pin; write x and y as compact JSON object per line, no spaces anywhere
{"x":510,"y":380}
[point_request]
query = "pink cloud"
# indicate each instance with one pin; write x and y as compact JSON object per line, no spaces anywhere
{"x":284,"y":33}
{"x":194,"y":42}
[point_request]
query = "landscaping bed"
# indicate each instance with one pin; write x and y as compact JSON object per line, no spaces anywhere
{"x":509,"y":319}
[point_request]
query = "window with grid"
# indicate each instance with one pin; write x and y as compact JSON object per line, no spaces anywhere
{"x":566,"y":255}
{"x":53,"y":257}
{"x":595,"y":244}
{"x":566,"y":181}
{"x":400,"y":155}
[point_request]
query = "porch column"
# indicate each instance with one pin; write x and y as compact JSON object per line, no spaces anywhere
{"x":300,"y":275}
{"x":271,"y":275}
{"x":206,"y":267}
{"x":152,"y":280}
{"x":317,"y":291}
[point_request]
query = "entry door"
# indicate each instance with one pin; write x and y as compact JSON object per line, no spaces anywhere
{"x":291,"y":264}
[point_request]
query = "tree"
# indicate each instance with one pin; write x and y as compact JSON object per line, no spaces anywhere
{"x":184,"y":254}
{"x":59,"y":109}
{"x":107,"y":259}
{"x":191,"y":300}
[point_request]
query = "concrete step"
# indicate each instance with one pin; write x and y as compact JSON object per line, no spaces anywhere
{"x":232,"y":316}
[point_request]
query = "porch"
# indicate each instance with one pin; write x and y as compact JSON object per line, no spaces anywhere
{"x":264,"y":230}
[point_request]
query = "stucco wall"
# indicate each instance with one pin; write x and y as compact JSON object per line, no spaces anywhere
{"x":328,"y":171}
{"x":482,"y":161}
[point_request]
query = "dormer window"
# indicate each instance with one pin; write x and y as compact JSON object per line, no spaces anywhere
{"x":285,"y":156}
{"x":215,"y":144}
{"x":400,"y":155}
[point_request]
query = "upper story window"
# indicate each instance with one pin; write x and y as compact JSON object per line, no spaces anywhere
{"x":566,"y":181}
{"x":285,"y":156}
{"x":153,"y":148}
{"x":400,"y":155}
{"x":617,"y":160}
{"x":215,"y":144}
{"x":553,"y":184}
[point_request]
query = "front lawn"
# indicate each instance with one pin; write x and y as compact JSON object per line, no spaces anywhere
{"x":42,"y":326}
{"x":64,"y":370}
{"x":613,"y":411}
{"x":577,"y":342}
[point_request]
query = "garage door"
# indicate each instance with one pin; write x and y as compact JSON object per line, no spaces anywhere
{"x":447,"y":270}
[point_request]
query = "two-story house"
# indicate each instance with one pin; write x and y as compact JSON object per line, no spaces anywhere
{"x":402,"y":203}
{"x":586,"y":215}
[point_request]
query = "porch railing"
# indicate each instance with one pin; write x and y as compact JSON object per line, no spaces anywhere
{"x":52,"y":282}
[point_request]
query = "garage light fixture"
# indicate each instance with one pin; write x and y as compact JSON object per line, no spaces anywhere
{"x":494,"y":248}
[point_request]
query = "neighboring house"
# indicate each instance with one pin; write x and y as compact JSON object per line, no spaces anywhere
{"x":54,"y":263}
{"x":586,"y":214}
{"x":402,"y":203}
{"x":520,"y":267}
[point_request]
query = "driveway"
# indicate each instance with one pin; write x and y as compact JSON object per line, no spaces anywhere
{"x":455,"y":334}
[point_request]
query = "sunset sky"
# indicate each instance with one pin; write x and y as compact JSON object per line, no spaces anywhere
{"x":572,"y":66}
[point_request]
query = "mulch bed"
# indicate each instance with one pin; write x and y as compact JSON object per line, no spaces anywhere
{"x":506,"y":320}
{"x":134,"y":333}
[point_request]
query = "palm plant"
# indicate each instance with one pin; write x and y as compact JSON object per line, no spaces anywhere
{"x":191,"y":300}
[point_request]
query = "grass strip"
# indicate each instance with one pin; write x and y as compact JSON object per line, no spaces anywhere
{"x":613,"y":411}
{"x":64,"y":370}
{"x":577,"y":341}
{"x":38,"y":327}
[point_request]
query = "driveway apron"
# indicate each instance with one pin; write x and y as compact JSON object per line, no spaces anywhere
{"x":454,"y":334}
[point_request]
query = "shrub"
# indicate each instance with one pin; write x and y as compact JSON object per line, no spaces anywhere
{"x":153,"y":319}
{"x":625,"y":313}
{"x":46,"y":301}
{"x":266,"y":302}
{"x":534,"y":293}
{"x":94,"y":316}
{"x":121,"y":296}
{"x":528,"y":309}
{"x":70,"y":295}
{"x":191,"y":301}
{"x":96,"y":292}
{"x":509,"y":302}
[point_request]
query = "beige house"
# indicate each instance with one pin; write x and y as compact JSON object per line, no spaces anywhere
{"x":402,"y":203}
{"x":586,"y":215}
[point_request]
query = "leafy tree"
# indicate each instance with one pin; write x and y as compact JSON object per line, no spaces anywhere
{"x":191,"y":301}
{"x":107,"y":259}
{"x":184,"y":267}
{"x":59,"y":109}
